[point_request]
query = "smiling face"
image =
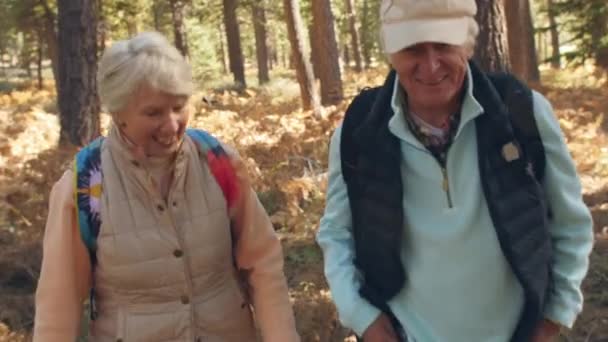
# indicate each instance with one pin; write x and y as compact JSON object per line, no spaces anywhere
{"x":432,"y":75}
{"x":155,"y":121}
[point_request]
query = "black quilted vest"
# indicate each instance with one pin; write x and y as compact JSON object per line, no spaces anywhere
{"x":513,"y":191}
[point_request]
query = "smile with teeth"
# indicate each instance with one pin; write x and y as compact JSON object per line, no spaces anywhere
{"x":167,"y":142}
{"x":431,"y":84}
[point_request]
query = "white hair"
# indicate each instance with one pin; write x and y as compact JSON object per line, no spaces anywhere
{"x":147,"y":58}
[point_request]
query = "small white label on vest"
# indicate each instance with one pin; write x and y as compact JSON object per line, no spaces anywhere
{"x":510,"y":152}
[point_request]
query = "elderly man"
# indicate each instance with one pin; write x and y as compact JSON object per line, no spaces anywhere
{"x":454,"y":210}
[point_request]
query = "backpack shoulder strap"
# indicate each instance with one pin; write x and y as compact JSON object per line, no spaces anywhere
{"x":519,"y":101}
{"x":353,"y":118}
{"x":219,"y":163}
{"x":87,"y":193}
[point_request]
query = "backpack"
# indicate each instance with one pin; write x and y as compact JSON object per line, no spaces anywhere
{"x":88,"y":186}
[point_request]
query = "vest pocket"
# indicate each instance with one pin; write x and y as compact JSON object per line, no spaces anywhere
{"x":226,"y":315}
{"x":150,"y":326}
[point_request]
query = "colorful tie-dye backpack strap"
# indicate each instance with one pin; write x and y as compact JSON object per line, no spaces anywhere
{"x":219,"y":163}
{"x":87,"y":193}
{"x":88,"y":178}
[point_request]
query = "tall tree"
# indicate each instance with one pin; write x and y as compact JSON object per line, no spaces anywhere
{"x":346,"y":55}
{"x":233,"y":36}
{"x":522,"y":49}
{"x":370,"y":22}
{"x":555,"y":53}
{"x":261,"y":43}
{"x":599,"y":34}
{"x":102,"y":25}
{"x":179,"y":30}
{"x":329,"y":55}
{"x":354,"y":33}
{"x":491,"y":52}
{"x":304,"y":74}
{"x":77,"y":99}
{"x":51,"y":42}
{"x":39,"y":57}
{"x":365,"y":45}
{"x":315,"y":52}
{"x":587,"y":23}
{"x":222,"y":49}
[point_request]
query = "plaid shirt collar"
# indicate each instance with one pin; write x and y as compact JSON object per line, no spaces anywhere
{"x":437,"y":144}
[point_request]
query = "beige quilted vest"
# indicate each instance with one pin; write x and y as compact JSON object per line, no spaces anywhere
{"x":165,"y":270}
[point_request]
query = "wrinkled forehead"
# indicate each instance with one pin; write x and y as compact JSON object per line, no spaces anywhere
{"x":149,"y":96}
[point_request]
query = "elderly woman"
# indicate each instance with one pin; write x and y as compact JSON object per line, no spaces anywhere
{"x":454,"y":211}
{"x":164,"y":230}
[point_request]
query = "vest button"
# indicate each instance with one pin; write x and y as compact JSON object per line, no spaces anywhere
{"x":135,"y":163}
{"x":175,"y":203}
{"x":199,"y":339}
{"x":185,"y":300}
{"x":160,"y":207}
{"x":119,"y":340}
{"x":178,"y":253}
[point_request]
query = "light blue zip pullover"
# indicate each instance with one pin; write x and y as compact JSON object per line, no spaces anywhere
{"x":460,"y":286}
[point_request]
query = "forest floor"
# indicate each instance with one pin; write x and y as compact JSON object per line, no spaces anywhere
{"x":286,"y":151}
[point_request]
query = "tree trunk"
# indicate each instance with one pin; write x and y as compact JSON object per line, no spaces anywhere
{"x":365,"y":46}
{"x":233,"y":36}
{"x":346,"y":55}
{"x":491,"y":52}
{"x":261,"y":43}
{"x":543,"y":45}
{"x":555,"y":53}
{"x":25,"y":58}
{"x":354,"y":33}
{"x":39,"y":55}
{"x":179,"y":30}
{"x":522,"y":49}
{"x":272,"y":52}
{"x":222,"y":48}
{"x":369,"y":22}
{"x":157,"y":13}
{"x":77,"y":99}
{"x":51,"y":40}
{"x":599,"y":36}
{"x":303,"y":68}
{"x":329,"y":55}
{"x":101,"y":27}
{"x":315,"y":54}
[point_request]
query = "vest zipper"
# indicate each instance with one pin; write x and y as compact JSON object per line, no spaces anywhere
{"x":446,"y":186}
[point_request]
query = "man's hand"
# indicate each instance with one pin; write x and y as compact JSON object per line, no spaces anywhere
{"x":547,"y":331}
{"x":380,"y":331}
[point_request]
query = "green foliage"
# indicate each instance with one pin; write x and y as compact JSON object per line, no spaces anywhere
{"x":124,"y":18}
{"x":587,"y":23}
{"x":204,"y":58}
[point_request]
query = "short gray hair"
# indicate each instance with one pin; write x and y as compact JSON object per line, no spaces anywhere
{"x":147,"y":58}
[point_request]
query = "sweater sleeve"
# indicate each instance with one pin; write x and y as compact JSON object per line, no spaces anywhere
{"x":65,"y":276}
{"x":337,"y":242}
{"x":570,"y":226}
{"x":259,"y":257}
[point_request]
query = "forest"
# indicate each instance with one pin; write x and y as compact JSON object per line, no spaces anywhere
{"x":274,"y":78}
